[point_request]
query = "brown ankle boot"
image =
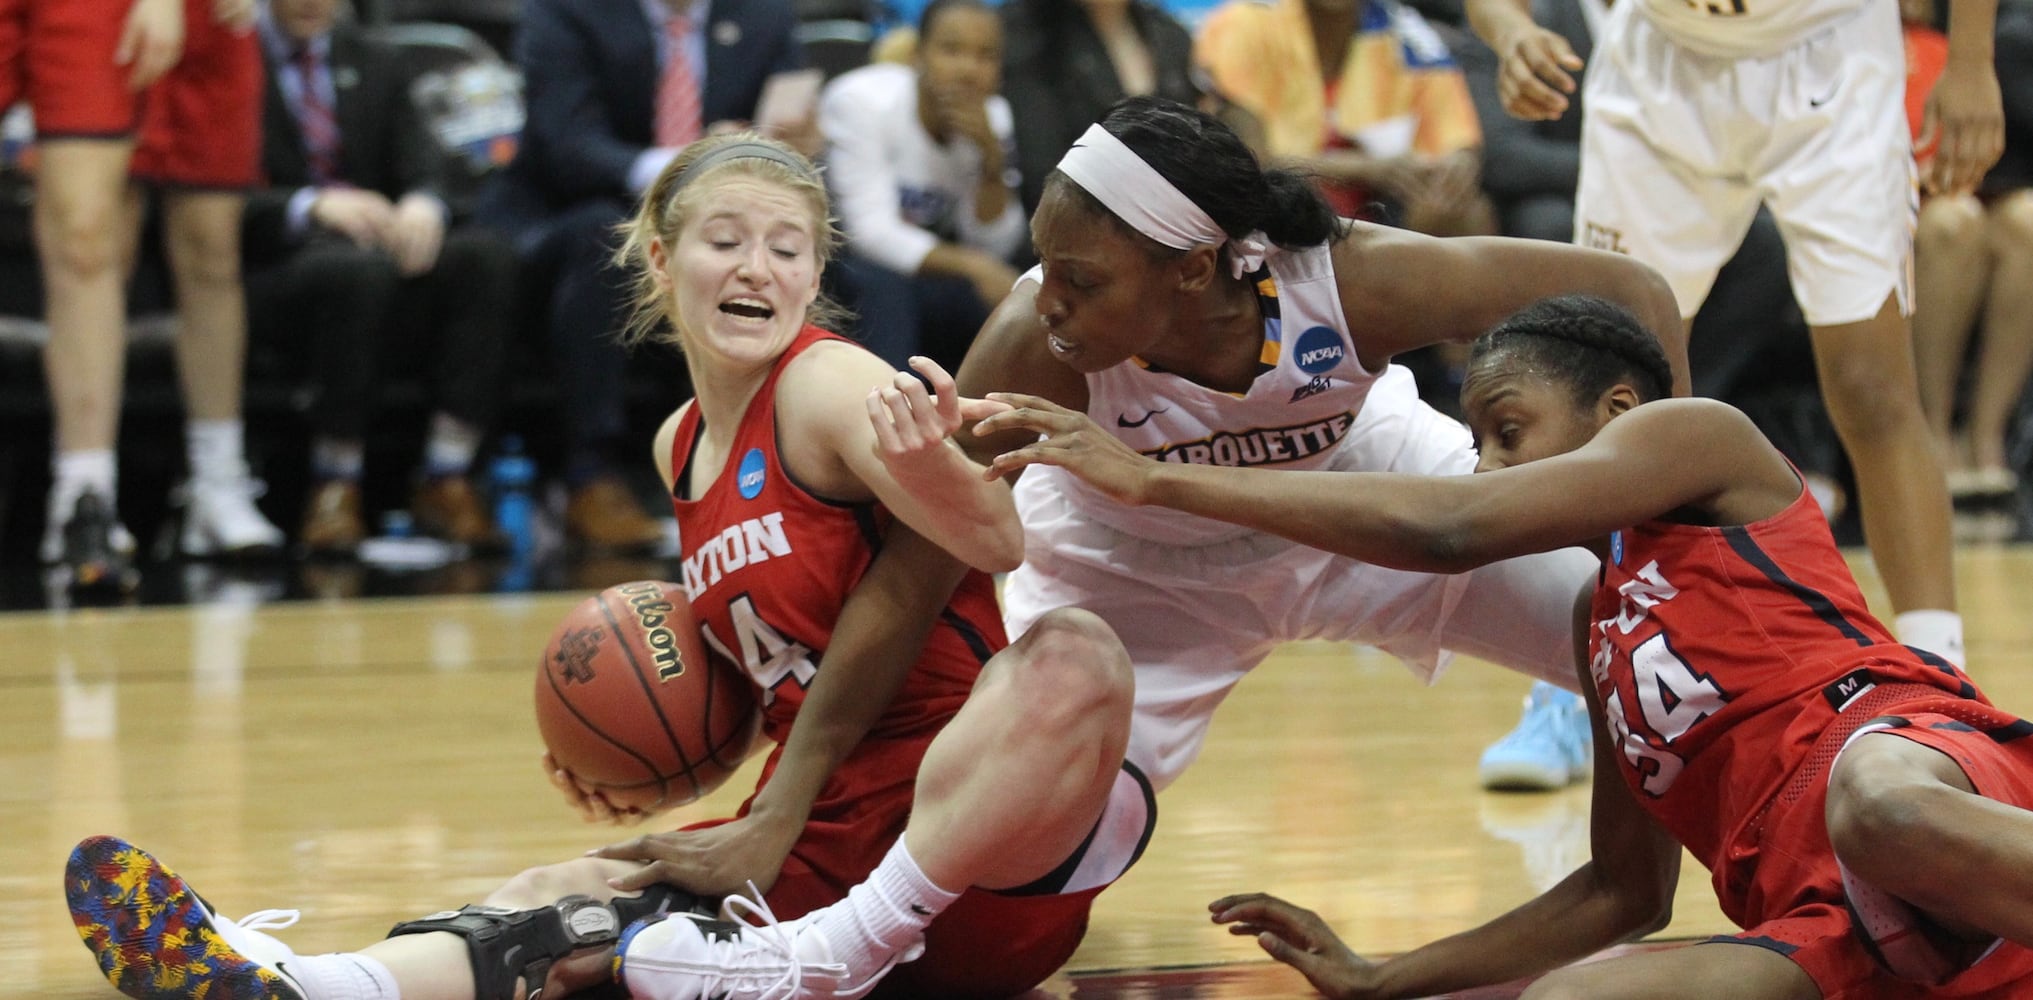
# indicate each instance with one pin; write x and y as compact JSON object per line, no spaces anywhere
{"x":332,"y":523}
{"x":604,"y":515}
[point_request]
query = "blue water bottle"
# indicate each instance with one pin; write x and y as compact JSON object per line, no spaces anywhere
{"x":513,"y":476}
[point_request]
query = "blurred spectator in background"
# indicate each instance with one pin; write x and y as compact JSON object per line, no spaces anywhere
{"x":1066,"y":62}
{"x":919,"y":160}
{"x":1973,"y":267}
{"x":83,"y":66}
{"x":1365,"y":95}
{"x":614,"y":89}
{"x":351,"y":258}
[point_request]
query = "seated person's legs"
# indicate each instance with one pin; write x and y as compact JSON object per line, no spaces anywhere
{"x":468,"y":301}
{"x":329,"y":302}
{"x":589,"y":301}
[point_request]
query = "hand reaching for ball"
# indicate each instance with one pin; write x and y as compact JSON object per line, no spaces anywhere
{"x":592,"y":806}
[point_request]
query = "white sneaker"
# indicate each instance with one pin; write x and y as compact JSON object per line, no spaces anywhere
{"x":156,"y":940}
{"x":220,"y":517}
{"x":685,"y":956}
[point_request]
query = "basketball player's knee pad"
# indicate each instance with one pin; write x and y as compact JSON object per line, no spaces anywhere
{"x":510,"y":946}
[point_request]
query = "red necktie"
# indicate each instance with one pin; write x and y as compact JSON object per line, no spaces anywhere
{"x":677,"y":94}
{"x":315,"y":119}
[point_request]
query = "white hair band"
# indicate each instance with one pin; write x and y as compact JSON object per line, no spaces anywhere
{"x":1137,"y":194}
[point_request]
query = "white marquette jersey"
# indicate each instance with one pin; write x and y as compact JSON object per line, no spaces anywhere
{"x":1298,"y":411}
{"x":1736,"y":29}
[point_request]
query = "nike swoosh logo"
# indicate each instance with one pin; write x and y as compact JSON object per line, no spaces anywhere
{"x":1123,"y":420}
{"x":1813,"y":102}
{"x":919,"y":910}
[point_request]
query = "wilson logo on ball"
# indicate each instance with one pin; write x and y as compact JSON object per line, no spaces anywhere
{"x":651,"y":611}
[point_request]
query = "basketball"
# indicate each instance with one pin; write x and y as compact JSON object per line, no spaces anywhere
{"x":629,"y":702}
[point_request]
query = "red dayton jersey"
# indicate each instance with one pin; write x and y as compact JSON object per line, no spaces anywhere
{"x":1722,"y":655}
{"x":768,"y":566}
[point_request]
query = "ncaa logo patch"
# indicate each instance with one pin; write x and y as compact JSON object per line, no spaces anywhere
{"x":1319,"y":350}
{"x":1616,"y":547}
{"x":751,"y":474}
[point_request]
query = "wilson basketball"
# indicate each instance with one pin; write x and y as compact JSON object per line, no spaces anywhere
{"x":628,"y":701}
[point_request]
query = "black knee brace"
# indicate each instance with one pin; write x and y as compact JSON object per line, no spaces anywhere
{"x":509,"y":946}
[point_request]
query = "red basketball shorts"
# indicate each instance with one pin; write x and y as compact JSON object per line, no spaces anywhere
{"x":198,"y":126}
{"x":987,"y":944}
{"x":1820,"y":931}
{"x":58,"y":55}
{"x":201,"y":123}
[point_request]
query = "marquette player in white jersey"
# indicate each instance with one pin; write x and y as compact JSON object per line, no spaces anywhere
{"x":1697,"y":111}
{"x":1204,"y":310}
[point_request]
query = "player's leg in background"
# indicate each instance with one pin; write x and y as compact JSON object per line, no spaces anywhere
{"x":1738,"y":971}
{"x":1873,"y":398}
{"x":202,"y":230}
{"x":1851,"y":273}
{"x":81,"y":198}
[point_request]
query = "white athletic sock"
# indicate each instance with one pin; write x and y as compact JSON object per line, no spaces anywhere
{"x":337,"y":458}
{"x":453,"y":442}
{"x":885,"y":914}
{"x":74,"y":473}
{"x":343,"y":977}
{"x":214,"y":448}
{"x":1938,"y":632}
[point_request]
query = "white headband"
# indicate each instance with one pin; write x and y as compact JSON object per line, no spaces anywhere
{"x":1140,"y":196}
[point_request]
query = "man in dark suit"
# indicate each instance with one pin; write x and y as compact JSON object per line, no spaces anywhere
{"x":614,"y":89}
{"x":349,"y":253}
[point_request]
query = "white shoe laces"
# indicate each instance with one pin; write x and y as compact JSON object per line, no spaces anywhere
{"x":268,"y":920}
{"x":744,"y":962}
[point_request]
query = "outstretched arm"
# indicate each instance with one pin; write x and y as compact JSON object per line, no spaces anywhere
{"x":1654,"y":459}
{"x":1402,"y":290}
{"x":1624,"y":891}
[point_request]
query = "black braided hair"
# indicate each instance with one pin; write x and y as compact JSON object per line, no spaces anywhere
{"x":1211,"y":165}
{"x":1590,"y":343}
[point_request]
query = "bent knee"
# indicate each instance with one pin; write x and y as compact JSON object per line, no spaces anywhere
{"x":1881,"y":810}
{"x":1076,"y":661}
{"x":81,"y":241}
{"x":1949,"y":223}
{"x":2011,"y":225}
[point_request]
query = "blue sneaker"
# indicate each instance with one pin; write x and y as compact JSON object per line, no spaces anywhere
{"x":1551,"y":748}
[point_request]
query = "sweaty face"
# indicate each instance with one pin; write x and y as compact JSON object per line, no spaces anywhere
{"x":960,"y":56}
{"x":1519,"y":416}
{"x":742,"y":270}
{"x":1104,"y":298}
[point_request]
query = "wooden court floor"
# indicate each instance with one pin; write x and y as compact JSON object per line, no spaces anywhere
{"x":366,"y":761}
